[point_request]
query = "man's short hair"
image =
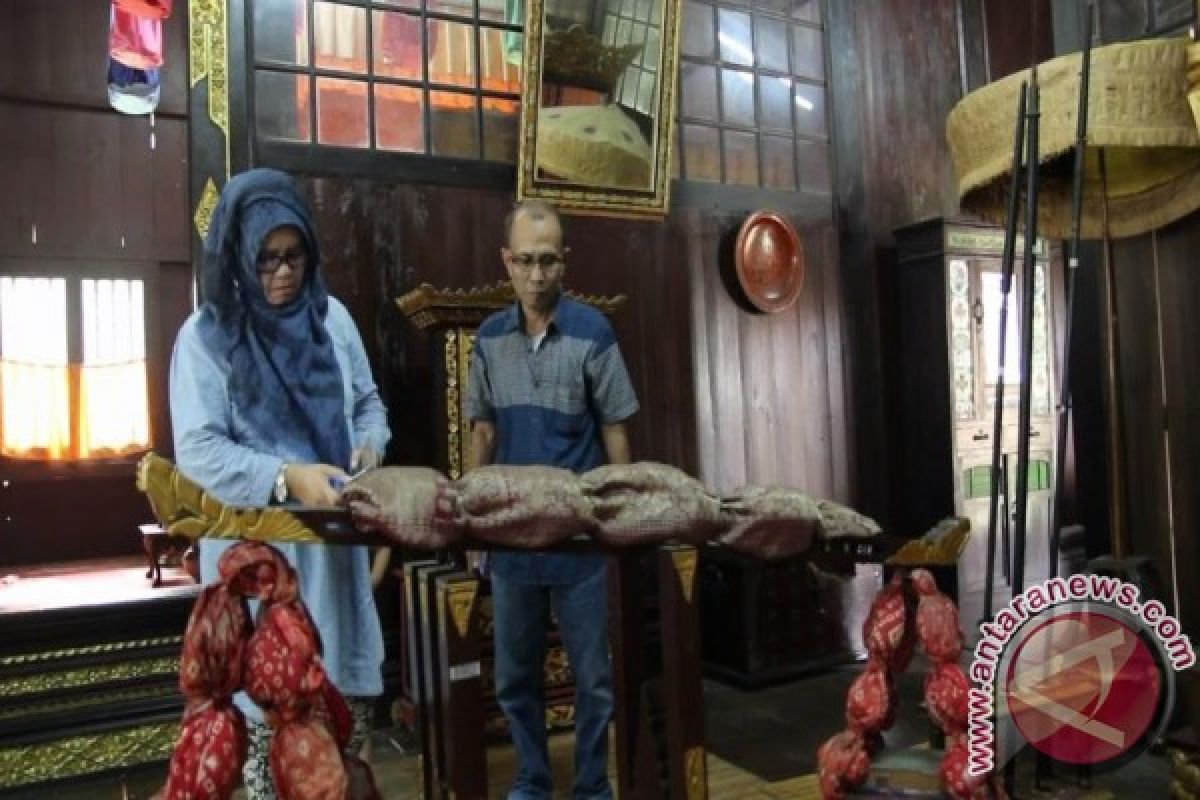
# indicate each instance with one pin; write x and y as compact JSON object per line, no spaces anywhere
{"x":534,"y":209}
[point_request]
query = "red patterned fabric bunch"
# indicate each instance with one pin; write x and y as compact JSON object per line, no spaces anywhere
{"x":937,"y":619}
{"x":888,"y":629}
{"x":843,"y":761}
{"x":206,"y":763}
{"x":279,"y":667}
{"x":871,"y":701}
{"x":946,"y":687}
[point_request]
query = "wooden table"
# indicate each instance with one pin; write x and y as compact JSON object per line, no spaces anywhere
{"x":156,"y":543}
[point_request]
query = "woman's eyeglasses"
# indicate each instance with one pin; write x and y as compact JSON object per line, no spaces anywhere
{"x":269,"y":263}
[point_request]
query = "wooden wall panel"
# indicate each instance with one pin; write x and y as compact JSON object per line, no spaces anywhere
{"x":895,"y":74}
{"x":1019,"y":32}
{"x":1179,"y":286}
{"x":765,"y":382}
{"x":1142,"y":447}
{"x":1159,"y":386}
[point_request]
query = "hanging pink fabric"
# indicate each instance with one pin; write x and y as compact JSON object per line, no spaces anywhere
{"x":149,"y":9}
{"x":135,"y":41}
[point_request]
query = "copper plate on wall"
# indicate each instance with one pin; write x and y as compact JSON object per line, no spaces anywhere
{"x":770,"y":261}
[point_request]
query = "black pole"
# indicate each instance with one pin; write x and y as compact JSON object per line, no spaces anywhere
{"x":1063,"y":411}
{"x":1026,"y":339}
{"x":1010,"y":247}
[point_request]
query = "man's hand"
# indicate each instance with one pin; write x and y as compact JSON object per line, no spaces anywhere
{"x":364,"y":458}
{"x":310,"y":483}
{"x":483,"y":444}
{"x":616,"y":443}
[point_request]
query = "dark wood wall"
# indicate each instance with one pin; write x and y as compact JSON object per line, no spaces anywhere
{"x":728,"y":394}
{"x":896,"y":72}
{"x":104,"y":203}
{"x":769,"y":389}
{"x":381,"y":239}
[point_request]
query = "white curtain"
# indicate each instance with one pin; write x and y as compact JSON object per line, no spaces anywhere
{"x":37,"y":378}
{"x":35,"y":401}
{"x":114,"y":415}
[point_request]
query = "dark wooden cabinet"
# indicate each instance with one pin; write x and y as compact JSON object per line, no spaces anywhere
{"x":764,"y":622}
{"x":948,"y":299}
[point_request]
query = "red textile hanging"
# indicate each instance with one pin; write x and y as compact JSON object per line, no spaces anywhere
{"x":135,"y":41}
{"x":149,"y":9}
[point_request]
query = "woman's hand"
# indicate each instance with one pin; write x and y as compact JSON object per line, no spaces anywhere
{"x":364,"y":458}
{"x":311,"y":484}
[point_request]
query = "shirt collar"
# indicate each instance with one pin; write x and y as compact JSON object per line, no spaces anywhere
{"x":514,"y":322}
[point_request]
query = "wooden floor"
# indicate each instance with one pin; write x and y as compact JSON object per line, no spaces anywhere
{"x":398,"y":779}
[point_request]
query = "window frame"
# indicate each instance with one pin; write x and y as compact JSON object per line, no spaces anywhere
{"x":75,"y":272}
{"x":323,"y":159}
{"x":758,"y":130}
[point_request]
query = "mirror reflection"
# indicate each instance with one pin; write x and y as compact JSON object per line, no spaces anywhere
{"x":600,"y":92}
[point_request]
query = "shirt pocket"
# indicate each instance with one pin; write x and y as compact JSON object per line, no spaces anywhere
{"x":569,"y":402}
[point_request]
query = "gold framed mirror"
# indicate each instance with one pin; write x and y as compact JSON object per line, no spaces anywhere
{"x":598,"y":104}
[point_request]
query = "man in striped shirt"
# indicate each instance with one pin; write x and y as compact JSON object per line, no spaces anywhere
{"x":548,"y":386}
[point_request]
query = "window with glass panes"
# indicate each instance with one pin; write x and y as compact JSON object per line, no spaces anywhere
{"x":429,"y":77}
{"x":73,"y":382}
{"x":636,"y":22}
{"x":752,"y":95}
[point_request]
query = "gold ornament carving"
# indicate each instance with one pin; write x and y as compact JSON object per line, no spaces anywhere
{"x":209,"y":58}
{"x":466,"y":346}
{"x":430,"y":307}
{"x":85,"y":755}
{"x":684,"y":560}
{"x":183,"y":508}
{"x":460,"y":597}
{"x":694,"y":769}
{"x":205,"y":208}
{"x":453,"y":409}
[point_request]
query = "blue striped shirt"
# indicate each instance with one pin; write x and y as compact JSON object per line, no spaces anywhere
{"x":548,"y":404}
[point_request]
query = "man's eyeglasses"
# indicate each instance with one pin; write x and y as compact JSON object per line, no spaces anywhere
{"x":269,"y":263}
{"x":527,"y":261}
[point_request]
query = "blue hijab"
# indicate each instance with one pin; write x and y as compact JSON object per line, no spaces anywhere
{"x":284,"y":376}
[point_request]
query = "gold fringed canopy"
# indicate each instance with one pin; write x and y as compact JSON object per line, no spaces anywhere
{"x":1138,"y":112}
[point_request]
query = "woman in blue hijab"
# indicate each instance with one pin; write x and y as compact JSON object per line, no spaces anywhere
{"x":272,"y":401}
